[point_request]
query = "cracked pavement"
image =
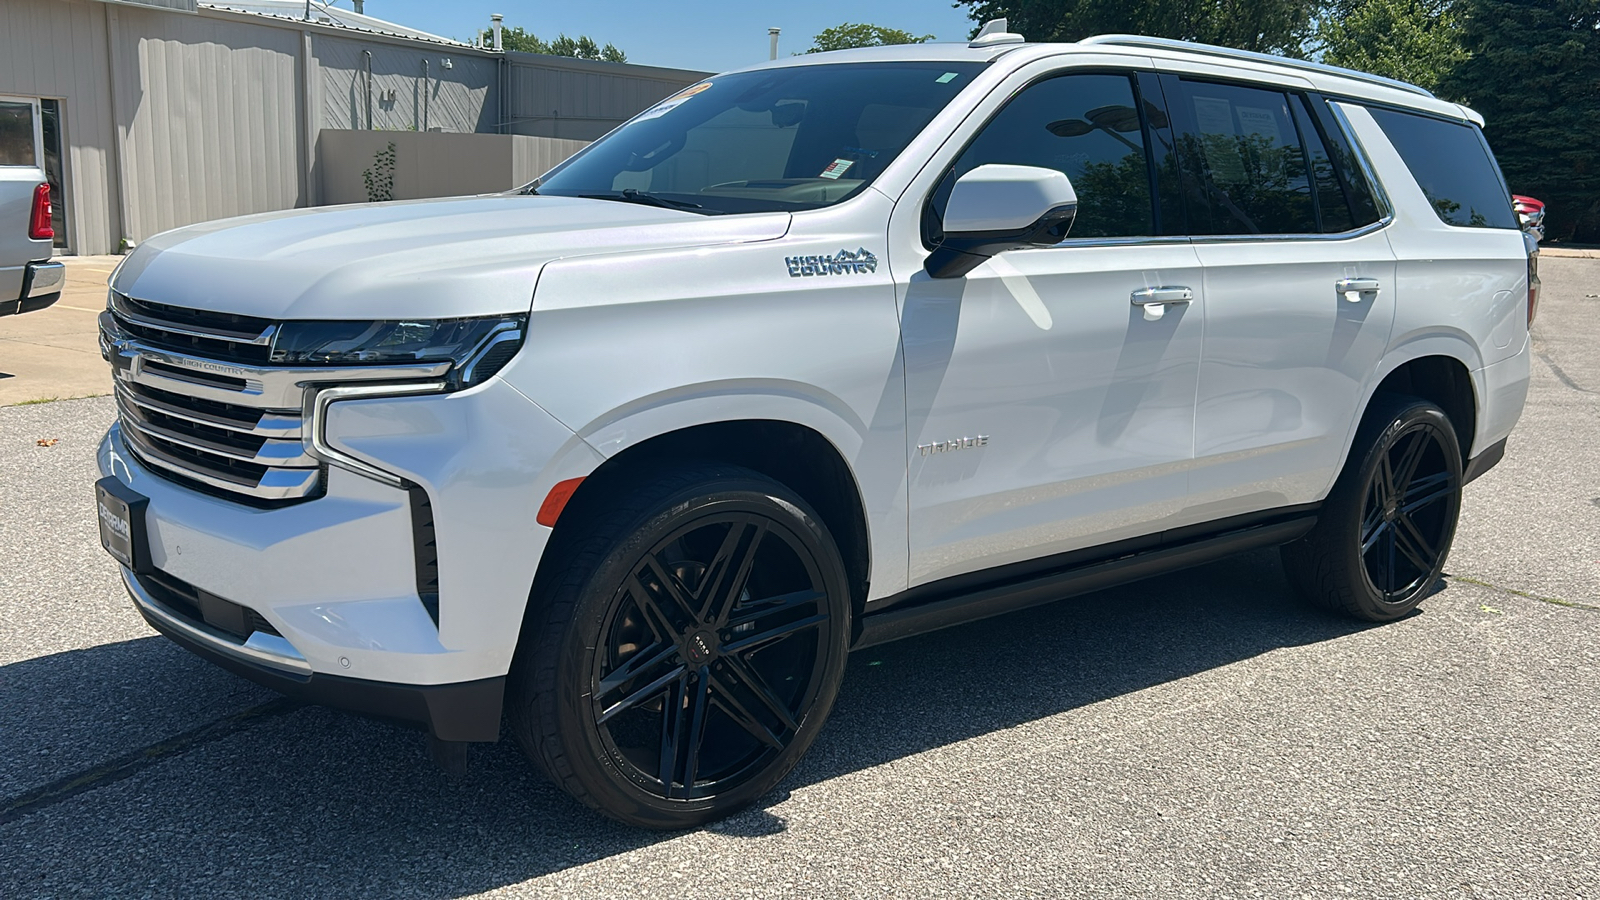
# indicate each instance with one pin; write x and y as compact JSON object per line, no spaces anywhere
{"x":1196,"y":735}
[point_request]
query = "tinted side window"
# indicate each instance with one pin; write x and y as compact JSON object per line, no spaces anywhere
{"x":1244,"y":169}
{"x":1333,"y":210}
{"x":1086,"y":126}
{"x":1352,"y":175}
{"x":1452,"y":165}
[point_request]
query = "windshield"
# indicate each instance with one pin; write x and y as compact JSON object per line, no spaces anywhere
{"x":792,"y":138}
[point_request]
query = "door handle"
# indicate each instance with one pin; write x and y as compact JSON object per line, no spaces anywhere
{"x":1160,"y":296}
{"x":1154,"y":300}
{"x":1352,"y":288}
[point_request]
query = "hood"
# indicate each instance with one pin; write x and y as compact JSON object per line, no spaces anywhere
{"x":463,"y":256}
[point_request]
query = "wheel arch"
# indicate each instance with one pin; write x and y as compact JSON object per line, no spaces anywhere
{"x":1435,"y":370}
{"x":796,"y":455}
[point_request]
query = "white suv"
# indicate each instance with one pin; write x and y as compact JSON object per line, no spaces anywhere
{"x":808,"y":357}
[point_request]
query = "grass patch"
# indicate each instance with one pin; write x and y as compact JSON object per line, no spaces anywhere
{"x":1553,"y":601}
{"x":40,"y":400}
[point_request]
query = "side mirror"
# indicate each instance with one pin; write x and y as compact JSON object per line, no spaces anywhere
{"x":995,"y":208}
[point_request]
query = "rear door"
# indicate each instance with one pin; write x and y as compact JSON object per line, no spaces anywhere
{"x":1299,"y":287}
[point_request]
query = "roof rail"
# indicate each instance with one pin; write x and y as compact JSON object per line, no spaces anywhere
{"x":1155,"y":43}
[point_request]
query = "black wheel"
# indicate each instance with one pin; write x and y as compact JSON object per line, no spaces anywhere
{"x":689,"y":650}
{"x":1381,"y":541}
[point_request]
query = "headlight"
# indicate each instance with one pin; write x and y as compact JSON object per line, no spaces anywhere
{"x":477,"y":347}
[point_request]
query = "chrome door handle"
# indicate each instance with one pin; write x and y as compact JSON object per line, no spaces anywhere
{"x":1160,"y":296}
{"x":1352,"y":288}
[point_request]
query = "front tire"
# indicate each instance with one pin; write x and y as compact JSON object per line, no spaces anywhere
{"x":1380,"y":544}
{"x":690,"y":647}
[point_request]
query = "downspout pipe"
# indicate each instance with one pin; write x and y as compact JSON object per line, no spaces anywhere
{"x":366,"y":58}
{"x":425,"y":91}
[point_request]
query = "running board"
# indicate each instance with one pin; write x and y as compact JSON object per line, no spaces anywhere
{"x":943,"y":612}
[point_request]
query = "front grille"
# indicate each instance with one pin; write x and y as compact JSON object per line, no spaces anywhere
{"x":223,"y":336}
{"x":195,"y":406}
{"x":200,"y":403}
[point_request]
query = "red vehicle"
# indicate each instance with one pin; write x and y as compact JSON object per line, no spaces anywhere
{"x":1530,"y":213}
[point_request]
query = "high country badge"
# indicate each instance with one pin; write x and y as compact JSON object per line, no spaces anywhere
{"x":844,"y":262}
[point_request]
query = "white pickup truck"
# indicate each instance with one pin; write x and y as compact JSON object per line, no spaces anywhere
{"x":807,"y":357}
{"x":29,"y":280}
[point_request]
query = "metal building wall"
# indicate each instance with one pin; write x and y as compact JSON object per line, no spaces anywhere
{"x":461,"y":98}
{"x":57,"y":49}
{"x":211,"y":110}
{"x":555,"y":97}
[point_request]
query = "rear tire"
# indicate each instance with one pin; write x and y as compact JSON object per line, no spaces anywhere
{"x":1381,"y":540}
{"x":688,"y":649}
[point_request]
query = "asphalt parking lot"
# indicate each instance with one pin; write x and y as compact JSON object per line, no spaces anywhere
{"x":1195,"y":735}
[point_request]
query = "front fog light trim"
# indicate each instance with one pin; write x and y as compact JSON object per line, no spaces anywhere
{"x":316,"y":417}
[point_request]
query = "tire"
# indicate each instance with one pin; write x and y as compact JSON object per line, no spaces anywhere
{"x":1380,"y":546}
{"x":688,"y":650}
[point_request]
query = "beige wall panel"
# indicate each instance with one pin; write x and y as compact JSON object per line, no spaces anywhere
{"x":434,"y":165}
{"x":212,"y":117}
{"x":557,"y":98}
{"x":458,"y":99}
{"x":57,"y":49}
{"x":534,"y":156}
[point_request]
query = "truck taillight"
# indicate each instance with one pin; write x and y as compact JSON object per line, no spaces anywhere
{"x":39,"y":227}
{"x":1533,"y":286}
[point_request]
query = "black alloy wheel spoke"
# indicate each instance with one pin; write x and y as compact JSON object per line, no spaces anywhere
{"x":672,"y":723}
{"x":1389,"y":562}
{"x":729,"y":571}
{"x":757,"y":687}
{"x":1383,"y":527}
{"x":637,"y":664}
{"x":777,"y":632}
{"x":1424,"y":492}
{"x":699,"y":705}
{"x":1410,"y":458}
{"x":642,"y":694}
{"x":1411,"y":543}
{"x":666,"y":615}
{"x":728,"y":701}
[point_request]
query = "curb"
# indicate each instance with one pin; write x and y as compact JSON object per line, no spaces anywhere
{"x":1569,"y":252}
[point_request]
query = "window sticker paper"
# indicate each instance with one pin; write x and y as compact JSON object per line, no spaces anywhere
{"x":673,"y":102}
{"x":839,"y":167}
{"x":1260,"y":121}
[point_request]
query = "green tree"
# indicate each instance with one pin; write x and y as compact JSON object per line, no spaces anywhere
{"x":1269,"y":26}
{"x":1533,"y":71}
{"x":1413,"y":40}
{"x":854,"y":34}
{"x":583,"y":47}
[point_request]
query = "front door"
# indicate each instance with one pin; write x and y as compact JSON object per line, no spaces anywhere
{"x":1047,"y":410}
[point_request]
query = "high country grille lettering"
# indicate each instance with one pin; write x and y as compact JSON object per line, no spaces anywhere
{"x":207,"y":366}
{"x":960,"y":443}
{"x":844,"y":262}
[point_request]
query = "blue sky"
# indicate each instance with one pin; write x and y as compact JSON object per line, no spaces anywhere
{"x":713,"y":35}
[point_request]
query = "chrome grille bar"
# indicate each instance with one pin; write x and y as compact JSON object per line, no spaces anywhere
{"x":231,"y":427}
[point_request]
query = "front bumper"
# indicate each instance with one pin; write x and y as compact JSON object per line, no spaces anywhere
{"x":334,"y":580}
{"x":468,"y":711}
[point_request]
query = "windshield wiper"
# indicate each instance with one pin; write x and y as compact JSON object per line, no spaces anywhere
{"x":633,"y":195}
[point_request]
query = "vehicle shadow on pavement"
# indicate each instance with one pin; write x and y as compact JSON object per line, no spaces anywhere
{"x":302,"y":801}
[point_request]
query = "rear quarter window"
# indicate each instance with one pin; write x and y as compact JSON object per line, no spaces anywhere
{"x":1452,"y":165}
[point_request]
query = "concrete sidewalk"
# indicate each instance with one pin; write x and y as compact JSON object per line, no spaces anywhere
{"x":54,"y":354}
